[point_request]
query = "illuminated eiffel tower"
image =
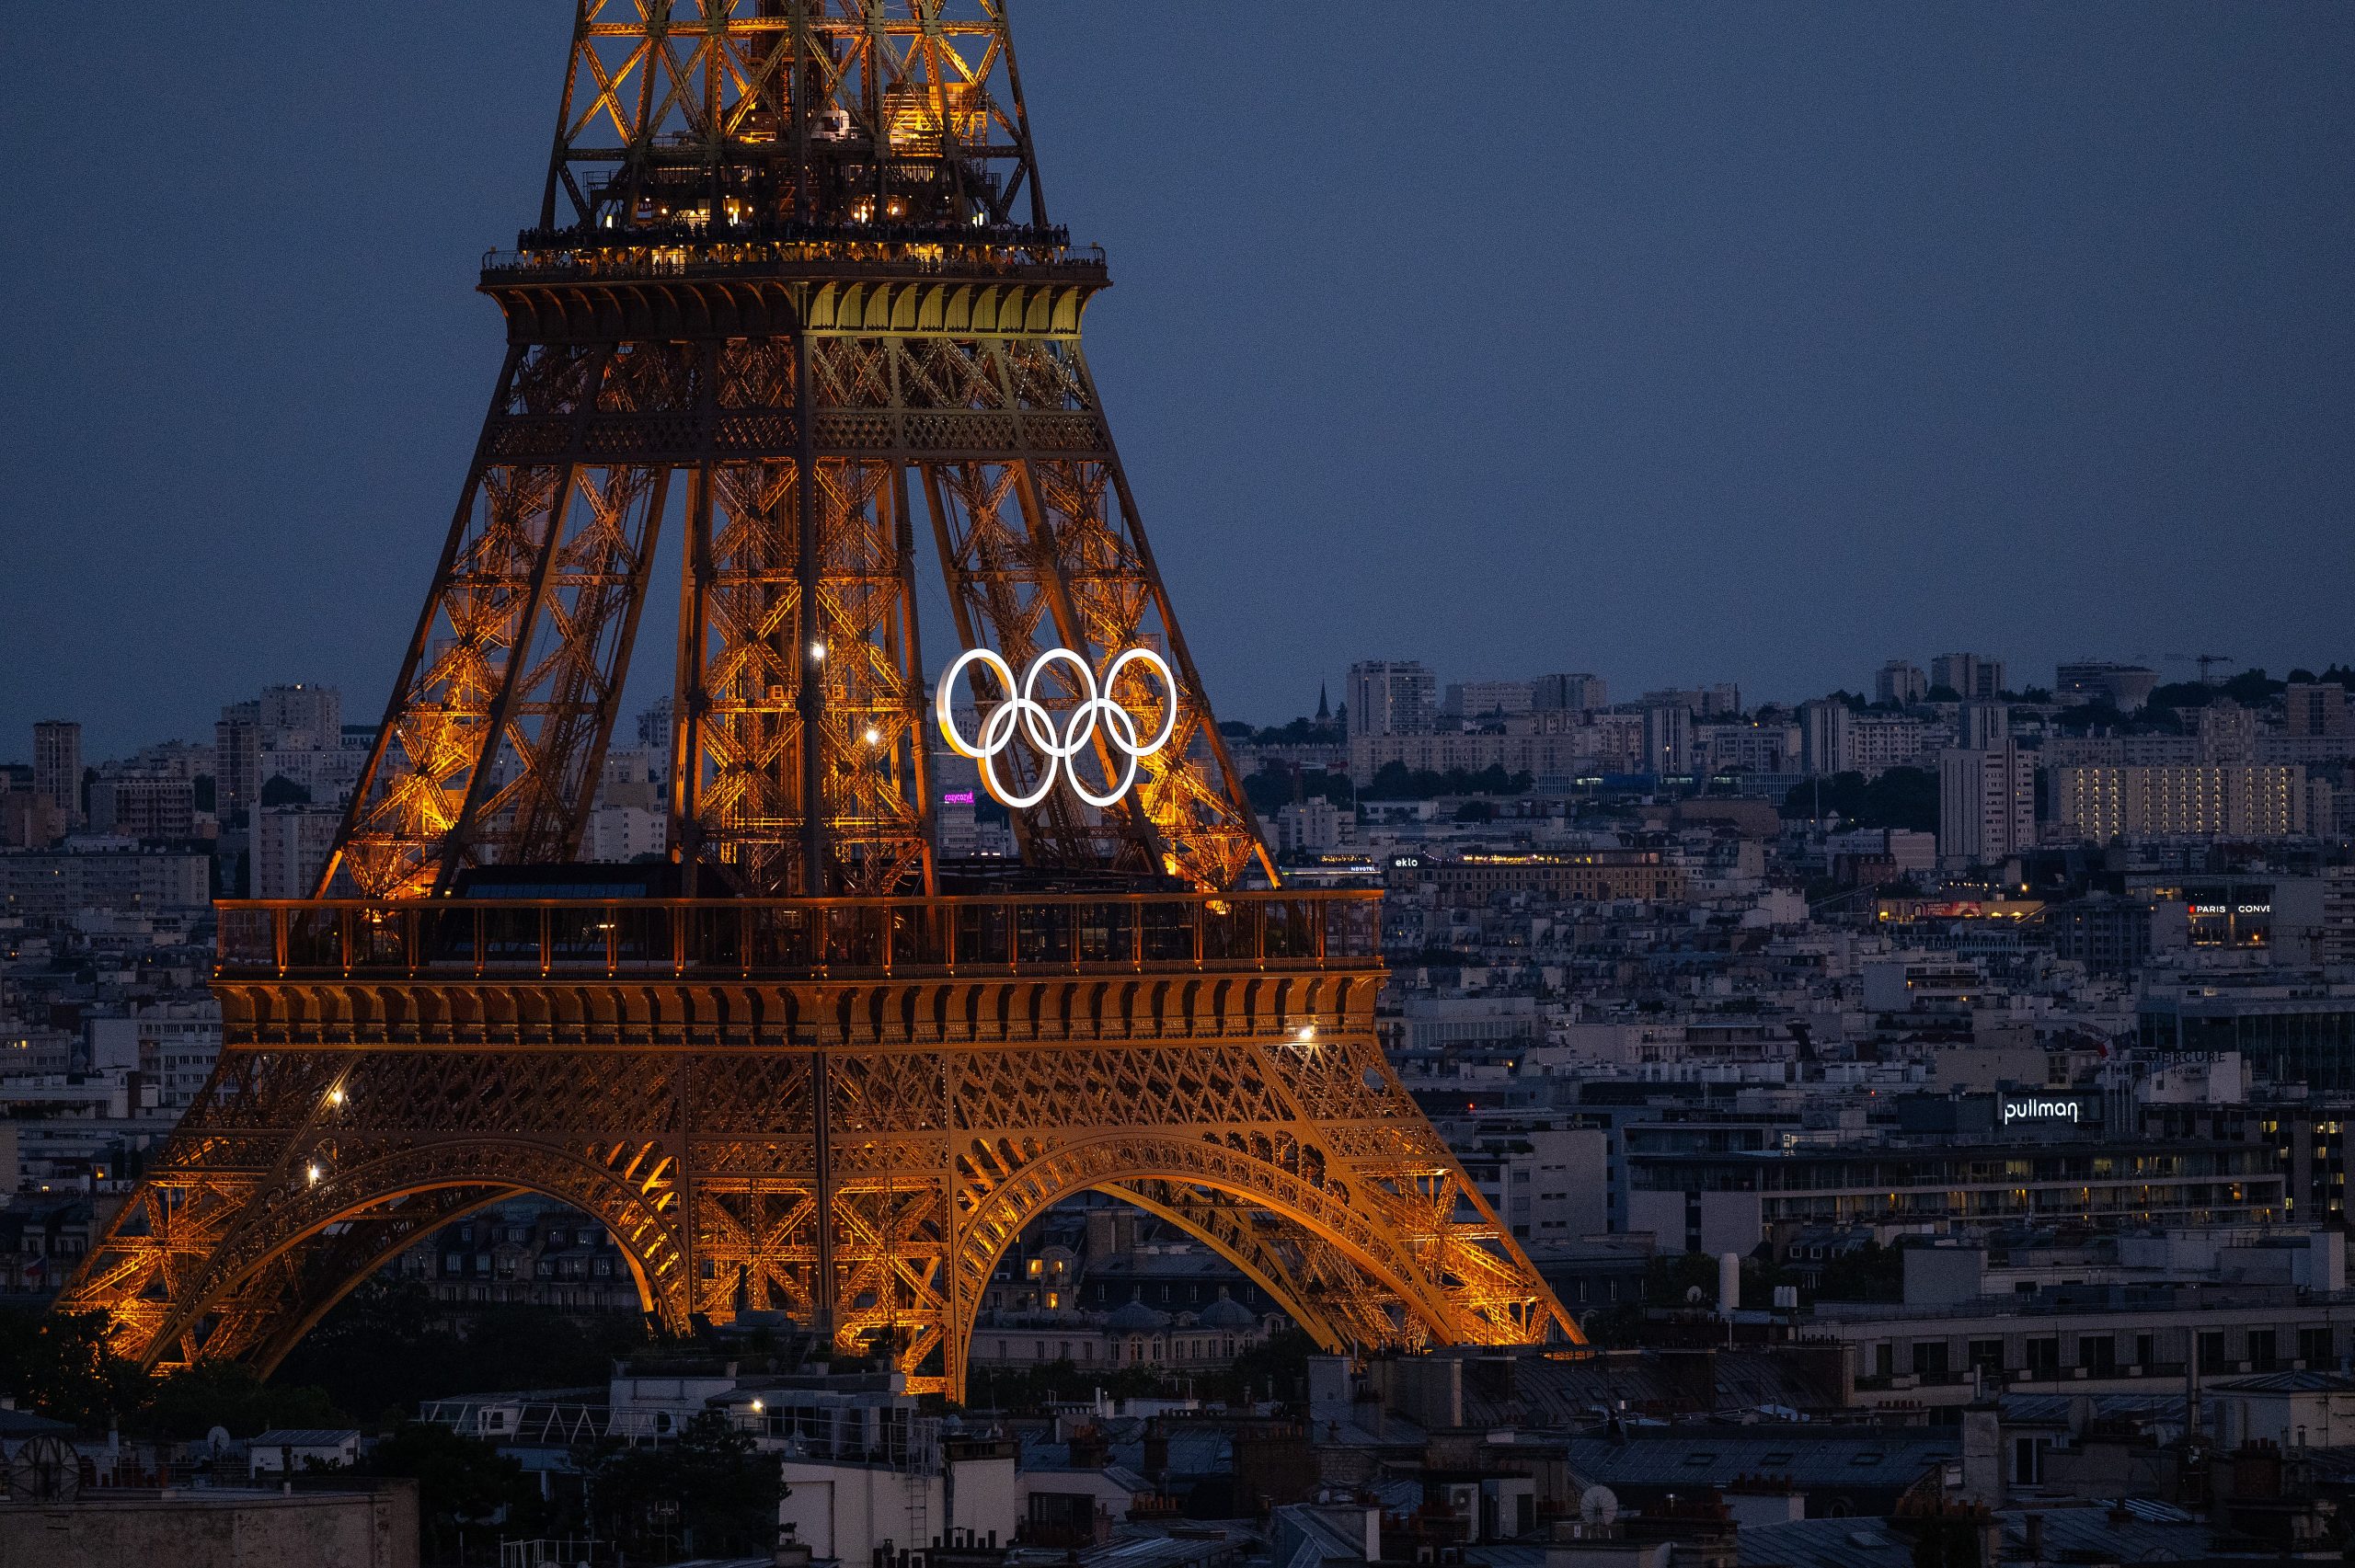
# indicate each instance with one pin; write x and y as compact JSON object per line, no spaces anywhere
{"x":793,"y":291}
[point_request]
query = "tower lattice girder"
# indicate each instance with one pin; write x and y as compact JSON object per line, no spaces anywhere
{"x":710,"y":1126}
{"x":969,"y":404}
{"x":781,"y":253}
{"x":792,"y":295}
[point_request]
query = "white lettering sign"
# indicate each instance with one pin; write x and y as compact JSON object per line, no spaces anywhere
{"x":2034,"y":1110}
{"x":1037,"y":721}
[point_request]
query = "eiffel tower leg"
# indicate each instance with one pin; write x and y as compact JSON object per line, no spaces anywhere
{"x":1301,"y":1160}
{"x":259,"y":1319}
{"x":248,"y":1285}
{"x":1084,"y":521}
{"x":1319,"y":1286}
{"x":998,"y":598}
{"x":300,"y":1169}
{"x":1042,"y":534}
{"x":1272,"y":1253}
{"x":490,"y":746}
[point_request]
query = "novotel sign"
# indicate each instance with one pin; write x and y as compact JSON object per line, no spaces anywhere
{"x":2035,"y":1108}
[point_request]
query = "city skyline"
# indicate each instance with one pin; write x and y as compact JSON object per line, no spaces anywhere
{"x":2014,"y":334}
{"x":1333,"y":691}
{"x":1706,"y":919}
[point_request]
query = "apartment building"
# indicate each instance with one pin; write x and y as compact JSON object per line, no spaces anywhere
{"x":1392,"y":697}
{"x":1986,"y":804}
{"x":1584,"y":877}
{"x":2100,"y":803}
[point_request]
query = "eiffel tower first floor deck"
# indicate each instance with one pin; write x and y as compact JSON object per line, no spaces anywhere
{"x":855,"y":1146}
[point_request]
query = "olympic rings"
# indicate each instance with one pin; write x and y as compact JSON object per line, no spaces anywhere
{"x":1038,"y":722}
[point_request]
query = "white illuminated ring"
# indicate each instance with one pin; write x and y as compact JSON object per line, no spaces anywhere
{"x":1023,"y":708}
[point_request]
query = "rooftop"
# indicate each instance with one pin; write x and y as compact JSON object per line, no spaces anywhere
{"x":2096,"y":1534}
{"x":2311,"y":1383}
{"x":1690,"y":1456}
{"x":1542,"y":1392}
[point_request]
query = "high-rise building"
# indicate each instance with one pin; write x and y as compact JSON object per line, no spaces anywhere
{"x":2317,"y":707}
{"x":619,"y":833}
{"x":1574,"y":693}
{"x":1314,"y":826}
{"x":1986,"y":804}
{"x":2335,"y":941}
{"x":1392,"y":697}
{"x":1746,"y":744}
{"x":1668,"y":738}
{"x":1721,"y":700}
{"x":1835,"y":739}
{"x":956,"y":825}
{"x":142,"y":805}
{"x":27,"y":820}
{"x":1612,"y":742}
{"x":2227,"y":734}
{"x":290,"y":847}
{"x":236,"y":759}
{"x":170,"y":760}
{"x":1982,"y":726}
{"x":2123,"y":686}
{"x":654,"y":729}
{"x":326,"y":774}
{"x":53,"y":885}
{"x":1476,"y":699}
{"x":1878,"y":743}
{"x":2106,"y":802}
{"x":300,"y":717}
{"x":1970,"y":676}
{"x":57,"y":767}
{"x":1823,"y":735}
{"x":1900,"y":681}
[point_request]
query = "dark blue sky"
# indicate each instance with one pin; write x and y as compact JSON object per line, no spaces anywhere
{"x":1740,"y":341}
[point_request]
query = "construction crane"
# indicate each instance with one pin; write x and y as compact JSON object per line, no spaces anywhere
{"x":2206,"y":662}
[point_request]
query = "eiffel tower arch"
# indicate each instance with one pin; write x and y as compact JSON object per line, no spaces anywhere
{"x":793,"y":291}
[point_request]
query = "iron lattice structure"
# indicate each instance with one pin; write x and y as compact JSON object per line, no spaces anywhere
{"x":794,"y":253}
{"x":793,"y":291}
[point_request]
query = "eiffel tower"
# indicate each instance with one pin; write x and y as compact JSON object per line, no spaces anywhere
{"x":793,"y":291}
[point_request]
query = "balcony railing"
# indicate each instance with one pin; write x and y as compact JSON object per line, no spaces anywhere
{"x":798,"y":938}
{"x":850,"y":251}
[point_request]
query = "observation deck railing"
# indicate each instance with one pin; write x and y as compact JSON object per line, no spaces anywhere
{"x":1027,"y":935}
{"x":724,"y":254}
